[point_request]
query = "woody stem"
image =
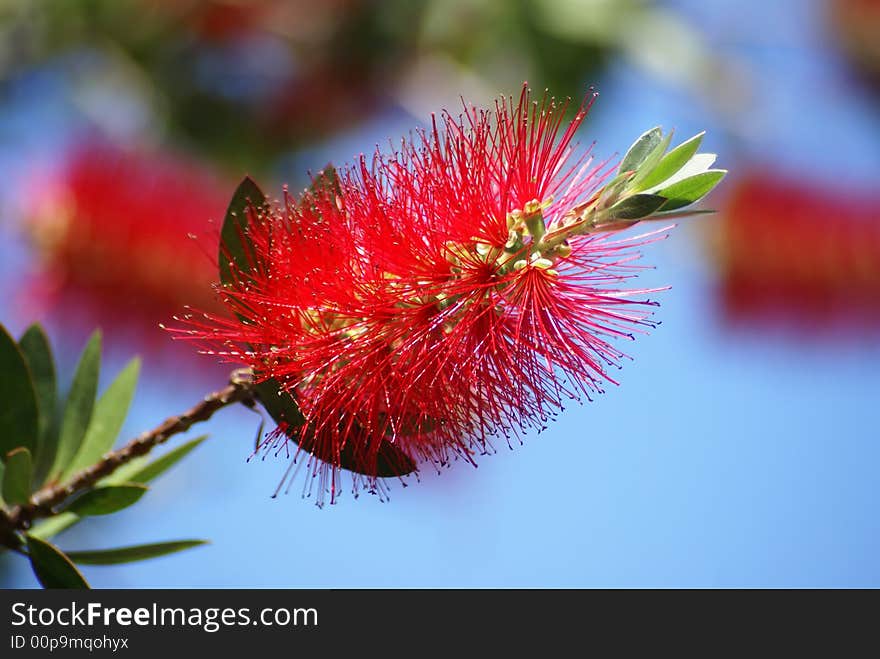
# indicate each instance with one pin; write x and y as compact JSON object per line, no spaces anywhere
{"x":43,"y":503}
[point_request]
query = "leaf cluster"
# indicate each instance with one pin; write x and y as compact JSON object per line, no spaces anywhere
{"x":46,"y":440}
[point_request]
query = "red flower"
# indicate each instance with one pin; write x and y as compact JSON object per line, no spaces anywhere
{"x":113,"y":225}
{"x":435,"y":298}
{"x":807,"y":254}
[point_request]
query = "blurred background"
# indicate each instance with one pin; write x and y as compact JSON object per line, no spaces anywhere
{"x":742,"y":446}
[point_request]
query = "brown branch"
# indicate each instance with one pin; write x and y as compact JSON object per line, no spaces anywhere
{"x":43,"y":502}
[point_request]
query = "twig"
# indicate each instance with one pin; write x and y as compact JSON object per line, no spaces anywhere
{"x":43,"y":502}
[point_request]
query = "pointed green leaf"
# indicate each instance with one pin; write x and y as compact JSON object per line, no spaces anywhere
{"x":142,"y":471}
{"x":131,"y":554}
{"x":678,"y":214}
{"x":139,"y":470}
{"x":258,"y":438}
{"x":47,"y":528}
{"x":687,"y":191}
{"x":699,"y":163}
{"x":107,"y":499}
{"x":79,"y":406}
{"x":390,"y":460}
{"x":233,"y":235}
{"x":278,"y":403}
{"x":641,"y":149}
{"x":19,"y":414}
{"x":37,"y":352}
{"x":52,"y":567}
{"x":107,"y":419}
{"x":651,"y":161}
{"x":636,"y":207}
{"x":17,"y":476}
{"x":672,"y":162}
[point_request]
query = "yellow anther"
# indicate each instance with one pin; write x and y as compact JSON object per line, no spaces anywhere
{"x":532,"y":207}
{"x":483,"y":249}
{"x":542,"y":263}
{"x":513,"y":237}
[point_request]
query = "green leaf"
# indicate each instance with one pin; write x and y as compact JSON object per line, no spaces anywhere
{"x":687,"y":191}
{"x":141,"y":471}
{"x":17,"y":476}
{"x":672,"y":162}
{"x":278,"y":403}
{"x":699,"y":163}
{"x":636,"y":207}
{"x":233,"y":235}
{"x":37,"y":353}
{"x":641,"y":149}
{"x":258,"y":437}
{"x":47,"y":528}
{"x":678,"y":214}
{"x":107,"y":419}
{"x":131,"y":554}
{"x":78,"y":408}
{"x":52,"y":567}
{"x":390,"y":460}
{"x":651,"y":161}
{"x":19,"y":415}
{"x":107,"y":499}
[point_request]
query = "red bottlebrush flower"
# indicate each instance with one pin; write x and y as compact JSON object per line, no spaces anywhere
{"x":439,"y":296}
{"x":112,"y":226}
{"x":789,"y":251}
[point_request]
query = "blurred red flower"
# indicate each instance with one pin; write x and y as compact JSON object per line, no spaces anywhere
{"x":111,"y":227}
{"x":788,"y":250}
{"x":405,"y":299}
